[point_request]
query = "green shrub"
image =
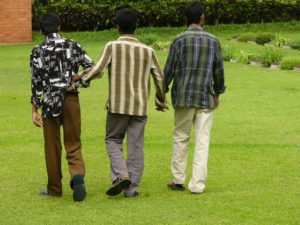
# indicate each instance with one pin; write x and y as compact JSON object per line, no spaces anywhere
{"x":162,"y":45}
{"x":246,"y":37}
{"x":100,"y":14}
{"x":295,"y":44}
{"x":271,"y":56}
{"x":227,"y":53}
{"x":290,"y":63}
{"x":264,"y":38}
{"x":280,"y":41}
{"x":246,"y":57}
{"x":149,"y":39}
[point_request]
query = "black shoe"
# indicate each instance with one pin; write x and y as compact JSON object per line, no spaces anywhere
{"x":79,"y":191}
{"x":118,"y":186}
{"x":135,"y":194}
{"x":176,"y":187}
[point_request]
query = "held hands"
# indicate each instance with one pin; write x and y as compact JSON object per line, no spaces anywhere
{"x":161,"y":106}
{"x":72,"y":88}
{"x":37,"y":119}
{"x":162,"y":109}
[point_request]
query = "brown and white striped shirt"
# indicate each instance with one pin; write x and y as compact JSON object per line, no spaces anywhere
{"x":129,"y":64}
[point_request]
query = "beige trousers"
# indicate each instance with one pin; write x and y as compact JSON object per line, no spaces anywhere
{"x":185,"y":118}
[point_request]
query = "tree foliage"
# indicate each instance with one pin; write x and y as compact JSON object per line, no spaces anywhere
{"x":99,"y":14}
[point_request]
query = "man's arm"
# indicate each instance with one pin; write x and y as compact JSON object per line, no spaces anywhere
{"x":85,"y":62}
{"x":97,"y":70}
{"x":218,"y":75}
{"x":170,"y":65}
{"x":36,"y":66}
{"x":159,"y":82}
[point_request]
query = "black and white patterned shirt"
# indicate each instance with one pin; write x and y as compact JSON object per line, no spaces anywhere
{"x":52,"y":64}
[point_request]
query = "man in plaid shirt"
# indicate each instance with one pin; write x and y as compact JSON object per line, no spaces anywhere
{"x":195,"y":66}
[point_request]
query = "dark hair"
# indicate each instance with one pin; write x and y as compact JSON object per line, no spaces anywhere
{"x":193,"y":12}
{"x":49,"y":23}
{"x":126,"y":19}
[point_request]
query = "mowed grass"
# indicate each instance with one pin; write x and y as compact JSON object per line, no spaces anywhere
{"x":253,"y":174}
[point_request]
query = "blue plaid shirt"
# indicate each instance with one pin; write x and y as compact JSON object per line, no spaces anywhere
{"x":195,"y":66}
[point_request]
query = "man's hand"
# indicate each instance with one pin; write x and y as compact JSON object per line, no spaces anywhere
{"x":217,"y":101}
{"x":72,"y":88}
{"x":160,"y":104}
{"x":162,"y":109}
{"x":37,"y":119}
{"x":75,"y":78}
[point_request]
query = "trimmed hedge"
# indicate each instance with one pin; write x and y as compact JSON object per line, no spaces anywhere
{"x":99,"y":14}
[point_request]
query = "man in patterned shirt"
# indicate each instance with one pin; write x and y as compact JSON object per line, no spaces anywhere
{"x":129,"y":65}
{"x":195,"y":66}
{"x":54,"y":63}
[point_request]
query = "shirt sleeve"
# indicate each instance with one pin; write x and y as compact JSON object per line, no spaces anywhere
{"x":97,"y":70}
{"x":170,"y":66}
{"x":36,"y":66}
{"x":218,"y":72}
{"x":83,"y":58}
{"x":159,"y":83}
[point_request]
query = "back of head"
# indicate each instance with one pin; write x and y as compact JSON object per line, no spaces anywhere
{"x":126,"y":20}
{"x":193,"y":12}
{"x":49,"y":23}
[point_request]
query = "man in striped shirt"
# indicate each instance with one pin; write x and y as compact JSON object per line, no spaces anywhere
{"x":129,"y":64}
{"x":195,"y":66}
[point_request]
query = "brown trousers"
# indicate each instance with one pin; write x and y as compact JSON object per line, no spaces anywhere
{"x":71,"y":122}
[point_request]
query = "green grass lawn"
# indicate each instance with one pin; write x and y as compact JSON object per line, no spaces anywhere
{"x":253,"y":175}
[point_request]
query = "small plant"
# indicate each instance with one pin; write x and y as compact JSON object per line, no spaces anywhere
{"x":246,"y":37}
{"x":280,"y":41}
{"x":295,"y":44}
{"x":227,"y":54}
{"x":264,"y":38}
{"x":271,"y":56}
{"x":148,"y":39}
{"x":162,"y":45}
{"x":290,"y":63}
{"x":234,"y":37}
{"x":246,"y":57}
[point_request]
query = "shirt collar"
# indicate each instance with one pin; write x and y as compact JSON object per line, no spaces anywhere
{"x":52,"y":35}
{"x":128,"y":37}
{"x":194,"y":27}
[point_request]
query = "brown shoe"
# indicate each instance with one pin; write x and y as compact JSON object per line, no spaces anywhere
{"x":176,"y":187}
{"x":118,"y":186}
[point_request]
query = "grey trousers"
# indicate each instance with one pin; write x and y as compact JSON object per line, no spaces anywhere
{"x":117,"y":125}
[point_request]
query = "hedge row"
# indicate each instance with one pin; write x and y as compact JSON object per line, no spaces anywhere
{"x":99,"y":14}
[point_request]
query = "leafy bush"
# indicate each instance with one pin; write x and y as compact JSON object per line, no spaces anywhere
{"x":99,"y":14}
{"x":271,"y":56}
{"x":290,"y":63}
{"x":246,"y":37}
{"x":227,"y":54}
{"x":295,"y":44}
{"x":162,"y":45}
{"x":149,"y":39}
{"x":246,"y":57}
{"x":280,"y":41}
{"x":264,"y":38}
